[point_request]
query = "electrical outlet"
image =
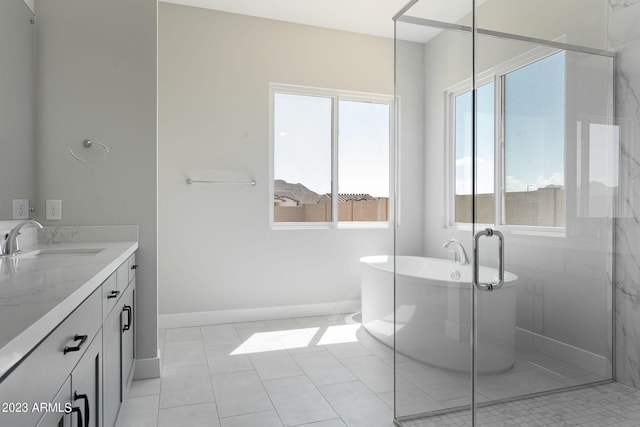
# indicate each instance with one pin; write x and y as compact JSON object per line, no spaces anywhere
{"x":20,"y":209}
{"x":54,"y":209}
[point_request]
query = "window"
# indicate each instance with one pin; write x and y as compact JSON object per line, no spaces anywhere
{"x":331,"y":156}
{"x":519,"y":150}
{"x":485,"y":154}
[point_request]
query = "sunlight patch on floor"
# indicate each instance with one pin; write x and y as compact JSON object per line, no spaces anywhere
{"x":276,"y":340}
{"x":340,"y":334}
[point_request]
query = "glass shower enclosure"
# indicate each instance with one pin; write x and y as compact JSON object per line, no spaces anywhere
{"x":510,"y":295}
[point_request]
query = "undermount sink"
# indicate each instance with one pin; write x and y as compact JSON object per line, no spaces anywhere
{"x":68,"y":251}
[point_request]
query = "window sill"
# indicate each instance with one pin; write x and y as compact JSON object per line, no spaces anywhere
{"x":364,"y":225}
{"x":515,"y":230}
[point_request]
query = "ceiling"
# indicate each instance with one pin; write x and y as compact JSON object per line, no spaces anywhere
{"x":373,"y":17}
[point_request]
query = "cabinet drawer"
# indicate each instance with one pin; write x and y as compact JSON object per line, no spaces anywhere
{"x":132,"y":267}
{"x":110,"y":295}
{"x":38,"y":378}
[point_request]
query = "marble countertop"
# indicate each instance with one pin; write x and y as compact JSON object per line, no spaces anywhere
{"x":39,"y":292}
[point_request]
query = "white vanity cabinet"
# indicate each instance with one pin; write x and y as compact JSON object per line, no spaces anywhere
{"x":118,"y":345}
{"x":78,"y":376}
{"x":40,"y":376}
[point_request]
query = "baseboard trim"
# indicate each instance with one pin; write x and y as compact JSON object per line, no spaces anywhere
{"x":145,"y":369}
{"x":203,"y":318}
{"x":567,"y":353}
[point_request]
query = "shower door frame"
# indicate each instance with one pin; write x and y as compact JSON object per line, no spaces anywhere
{"x":476,"y":288}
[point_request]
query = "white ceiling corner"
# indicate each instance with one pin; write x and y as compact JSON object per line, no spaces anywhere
{"x":373,"y":17}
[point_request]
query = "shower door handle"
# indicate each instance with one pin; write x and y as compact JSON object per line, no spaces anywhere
{"x":476,"y":260}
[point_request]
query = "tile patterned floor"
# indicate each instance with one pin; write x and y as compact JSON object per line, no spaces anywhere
{"x":599,"y":406}
{"x":326,"y":371}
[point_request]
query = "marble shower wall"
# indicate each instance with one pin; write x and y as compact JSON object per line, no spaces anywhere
{"x":624,"y":37}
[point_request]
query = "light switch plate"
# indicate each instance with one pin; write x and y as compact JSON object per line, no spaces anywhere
{"x":54,"y":210}
{"x":20,"y":208}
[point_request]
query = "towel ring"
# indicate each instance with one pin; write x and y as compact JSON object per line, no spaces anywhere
{"x":87,"y":143}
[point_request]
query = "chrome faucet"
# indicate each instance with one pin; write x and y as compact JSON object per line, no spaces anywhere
{"x":11,"y":239}
{"x":459,"y":255}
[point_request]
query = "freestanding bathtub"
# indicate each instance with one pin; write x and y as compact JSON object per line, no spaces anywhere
{"x":433,"y":312}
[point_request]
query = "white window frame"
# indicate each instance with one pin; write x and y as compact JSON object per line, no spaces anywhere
{"x":336,"y":96}
{"x":496,"y":74}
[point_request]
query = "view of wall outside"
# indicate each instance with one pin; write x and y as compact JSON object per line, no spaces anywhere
{"x":303,"y":166}
{"x":533,"y":120}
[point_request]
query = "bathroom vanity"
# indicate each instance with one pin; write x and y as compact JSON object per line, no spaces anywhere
{"x":67,"y":334}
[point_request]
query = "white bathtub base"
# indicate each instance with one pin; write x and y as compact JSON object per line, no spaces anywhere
{"x":433,"y":313}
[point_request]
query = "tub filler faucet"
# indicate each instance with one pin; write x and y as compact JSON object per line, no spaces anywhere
{"x":459,"y":255}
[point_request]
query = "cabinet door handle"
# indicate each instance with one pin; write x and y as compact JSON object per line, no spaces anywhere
{"x":78,"y":413}
{"x":76,"y":337}
{"x":134,"y":266}
{"x":87,"y":417}
{"x":128,"y":309}
{"x":113,"y":294}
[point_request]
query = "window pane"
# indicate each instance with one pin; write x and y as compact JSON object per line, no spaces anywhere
{"x":485,"y":200}
{"x":363,"y":159}
{"x":302,"y":158}
{"x":534,"y":144}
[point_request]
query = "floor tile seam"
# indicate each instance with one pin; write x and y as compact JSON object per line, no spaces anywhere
{"x":210,"y":383}
{"x":167,"y":339}
{"x":287,"y":376}
{"x":158,"y":411}
{"x":142,"y":395}
{"x":389,"y":404}
{"x":180,"y":341}
{"x":183,"y":367}
{"x":304,"y":371}
{"x":230,"y":372}
{"x":434,"y":397}
{"x":319,"y":392}
{"x":250,"y":413}
{"x":335,"y":382}
{"x":364,"y":382}
{"x":213,"y":389}
{"x":195,"y":403}
{"x":292,"y":351}
{"x":275,"y":409}
{"x":198,"y":365}
{"x":192,"y":404}
{"x":296,"y":353}
{"x":331,"y":405}
{"x":164,"y":358}
{"x":314,"y":422}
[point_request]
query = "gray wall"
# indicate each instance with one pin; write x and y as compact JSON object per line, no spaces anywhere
{"x":17,"y":105}
{"x":216,"y":248}
{"x":97,"y":79}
